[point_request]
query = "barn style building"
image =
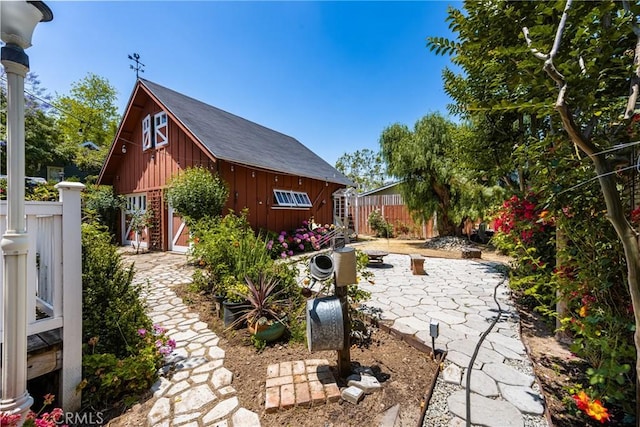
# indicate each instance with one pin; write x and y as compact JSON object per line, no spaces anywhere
{"x":280,"y":181}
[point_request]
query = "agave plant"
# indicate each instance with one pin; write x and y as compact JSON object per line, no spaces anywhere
{"x":262,"y":300}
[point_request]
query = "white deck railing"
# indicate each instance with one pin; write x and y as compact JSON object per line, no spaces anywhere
{"x":54,"y":279}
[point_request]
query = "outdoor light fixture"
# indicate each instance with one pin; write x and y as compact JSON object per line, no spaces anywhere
{"x":434,"y":331}
{"x":18,"y":20}
{"x":124,"y":148}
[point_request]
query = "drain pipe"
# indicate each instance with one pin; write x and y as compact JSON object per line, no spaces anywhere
{"x":477,"y":349}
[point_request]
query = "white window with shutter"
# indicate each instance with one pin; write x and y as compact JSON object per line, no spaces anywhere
{"x":146,"y":133}
{"x":291,"y":199}
{"x":161,"y":129}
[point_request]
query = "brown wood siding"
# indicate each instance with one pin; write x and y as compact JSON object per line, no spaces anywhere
{"x":151,"y":169}
{"x":253,"y":189}
{"x":141,"y":171}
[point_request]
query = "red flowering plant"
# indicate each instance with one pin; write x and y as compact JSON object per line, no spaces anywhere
{"x":525,"y":231}
{"x":592,"y":407}
{"x":39,"y":419}
{"x":590,"y":276}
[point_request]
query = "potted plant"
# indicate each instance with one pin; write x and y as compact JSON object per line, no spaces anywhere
{"x":235,"y":303}
{"x":264,"y":312}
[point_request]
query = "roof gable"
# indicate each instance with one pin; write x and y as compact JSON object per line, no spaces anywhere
{"x":234,"y":139}
{"x":381,"y":189}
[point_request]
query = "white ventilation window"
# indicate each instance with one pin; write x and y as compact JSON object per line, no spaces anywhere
{"x":146,"y":133}
{"x":291,"y":199}
{"x":161,"y":129}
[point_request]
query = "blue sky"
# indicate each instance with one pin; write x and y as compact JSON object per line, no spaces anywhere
{"x":331,"y":74}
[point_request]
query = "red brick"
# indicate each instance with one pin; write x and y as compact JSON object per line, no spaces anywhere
{"x":286,"y":369}
{"x":287,"y":396}
{"x":298,"y":367}
{"x":317,"y":393}
{"x":273,"y":370}
{"x":272,"y":401}
{"x":312,"y":376}
{"x":274,"y":382}
{"x":313,"y":363}
{"x":332,"y":391}
{"x":299,"y":378}
{"x":303,"y":397}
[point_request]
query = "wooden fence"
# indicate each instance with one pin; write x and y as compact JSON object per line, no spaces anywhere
{"x":54,"y":281}
{"x":394,"y":211}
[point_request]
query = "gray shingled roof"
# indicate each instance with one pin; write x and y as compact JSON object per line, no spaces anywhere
{"x":241,"y":141}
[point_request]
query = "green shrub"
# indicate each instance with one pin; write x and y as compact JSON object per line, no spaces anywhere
{"x":378,"y":224}
{"x":102,"y":205}
{"x":33,"y":191}
{"x":228,"y":250}
{"x":196,"y":194}
{"x":111,"y":305}
{"x":114,"y":379}
{"x":588,"y":270}
{"x":120,"y":359}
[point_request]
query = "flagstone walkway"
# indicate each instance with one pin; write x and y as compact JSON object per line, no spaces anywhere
{"x":458,"y":294}
{"x":199,"y":393}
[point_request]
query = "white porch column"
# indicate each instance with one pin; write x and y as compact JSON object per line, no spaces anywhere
{"x":18,"y":19}
{"x":14,"y":244}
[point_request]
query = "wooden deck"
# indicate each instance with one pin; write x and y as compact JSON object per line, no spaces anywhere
{"x":44,"y":353}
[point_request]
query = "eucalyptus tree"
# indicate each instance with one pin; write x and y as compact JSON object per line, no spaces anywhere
{"x":364,"y":167}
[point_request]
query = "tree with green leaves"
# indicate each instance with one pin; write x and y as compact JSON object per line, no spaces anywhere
{"x":432,"y":183}
{"x":591,"y":121}
{"x":88,"y":114}
{"x":42,"y":137}
{"x":364,"y":167}
{"x":561,"y":81}
{"x":196,"y":193}
{"x":485,"y":91}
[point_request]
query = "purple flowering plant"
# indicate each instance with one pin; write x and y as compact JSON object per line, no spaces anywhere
{"x":158,"y":335}
{"x":108,"y":378}
{"x":306,"y":238}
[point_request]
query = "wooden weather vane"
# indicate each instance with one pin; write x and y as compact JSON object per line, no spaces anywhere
{"x":139,"y":67}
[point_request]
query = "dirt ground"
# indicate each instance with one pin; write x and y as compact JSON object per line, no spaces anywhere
{"x":406,"y":379}
{"x":406,"y":375}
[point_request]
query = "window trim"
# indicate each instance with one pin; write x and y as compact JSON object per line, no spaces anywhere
{"x":161,"y":139}
{"x":291,"y":199}
{"x":147,"y":142}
